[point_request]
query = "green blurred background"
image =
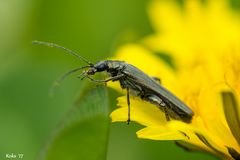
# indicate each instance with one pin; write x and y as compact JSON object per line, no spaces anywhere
{"x":93,"y":28}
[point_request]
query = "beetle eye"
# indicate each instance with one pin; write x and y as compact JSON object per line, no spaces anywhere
{"x":91,"y":71}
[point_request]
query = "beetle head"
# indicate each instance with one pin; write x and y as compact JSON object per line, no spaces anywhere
{"x":92,"y":71}
{"x":98,"y":67}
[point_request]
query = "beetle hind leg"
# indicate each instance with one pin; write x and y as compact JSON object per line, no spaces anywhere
{"x":158,"y":102}
{"x":166,"y":113}
{"x":158,"y":80}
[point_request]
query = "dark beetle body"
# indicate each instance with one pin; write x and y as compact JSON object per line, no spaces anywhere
{"x":135,"y":81}
{"x":145,"y":87}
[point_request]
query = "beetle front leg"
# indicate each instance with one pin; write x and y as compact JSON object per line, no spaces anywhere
{"x":106,"y":80}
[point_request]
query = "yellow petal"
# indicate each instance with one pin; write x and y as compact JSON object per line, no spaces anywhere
{"x":160,"y":133}
{"x":141,"y":112}
{"x":175,"y":35}
{"x":213,"y":114}
{"x":201,"y":137}
{"x":165,"y":16}
{"x":203,"y":40}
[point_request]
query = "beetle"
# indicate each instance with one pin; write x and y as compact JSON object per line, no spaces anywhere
{"x":136,"y":82}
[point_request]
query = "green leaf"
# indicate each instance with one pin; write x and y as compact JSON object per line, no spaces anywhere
{"x":83,"y":133}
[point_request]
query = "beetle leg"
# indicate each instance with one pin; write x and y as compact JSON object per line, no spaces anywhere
{"x":128,"y":102}
{"x":166,"y":113}
{"x":156,"y":79}
{"x":106,"y":80}
{"x":114,"y":78}
{"x":154,"y":100}
{"x":159,"y":102}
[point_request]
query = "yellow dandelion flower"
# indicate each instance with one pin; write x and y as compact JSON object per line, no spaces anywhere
{"x":203,"y":40}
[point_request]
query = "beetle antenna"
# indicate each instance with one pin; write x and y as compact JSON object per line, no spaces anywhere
{"x":61,"y":47}
{"x":82,"y":74}
{"x":62,"y":77}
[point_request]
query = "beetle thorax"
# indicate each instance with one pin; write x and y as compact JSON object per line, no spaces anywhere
{"x":115,"y":67}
